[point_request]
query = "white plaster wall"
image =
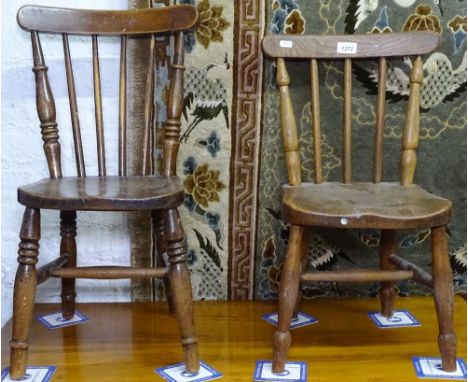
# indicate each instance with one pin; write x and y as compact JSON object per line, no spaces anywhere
{"x":102,"y":237}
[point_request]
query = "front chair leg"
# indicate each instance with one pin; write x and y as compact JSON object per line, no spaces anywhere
{"x":304,"y":256}
{"x":24,"y":291}
{"x":68,"y":249}
{"x":179,"y":277}
{"x":443,"y":298}
{"x":159,"y":244}
{"x":388,"y":246}
{"x":287,"y":298}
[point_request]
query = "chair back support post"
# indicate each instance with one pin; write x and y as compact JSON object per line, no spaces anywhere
{"x":410,"y":138}
{"x":380,"y":120}
{"x":174,"y":108}
{"x":315,"y":110}
{"x":46,"y":110}
{"x":347,"y":120}
{"x":288,"y":125}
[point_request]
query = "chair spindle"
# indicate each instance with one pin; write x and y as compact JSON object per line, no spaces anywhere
{"x":380,"y":120}
{"x":411,"y":131}
{"x":123,"y":108}
{"x":315,"y":106}
{"x":75,"y":121}
{"x":98,"y":109}
{"x":174,"y":108}
{"x":147,"y":135}
{"x":347,"y":121}
{"x":46,"y":109}
{"x":288,"y":125}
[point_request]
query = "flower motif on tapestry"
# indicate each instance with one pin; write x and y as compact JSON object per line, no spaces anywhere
{"x":423,"y":20}
{"x":203,"y":185}
{"x":210,"y":23}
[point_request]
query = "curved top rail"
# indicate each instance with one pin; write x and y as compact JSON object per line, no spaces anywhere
{"x":106,"y":22}
{"x":350,"y":46}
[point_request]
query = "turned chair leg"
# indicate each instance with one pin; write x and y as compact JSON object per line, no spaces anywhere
{"x":443,"y":298}
{"x":24,"y":291}
{"x":68,"y":249}
{"x":388,"y":246}
{"x":159,"y":244}
{"x":304,"y":253}
{"x":287,"y":298}
{"x":179,"y":277}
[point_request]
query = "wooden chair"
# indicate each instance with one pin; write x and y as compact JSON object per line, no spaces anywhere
{"x":377,"y":205}
{"x":160,"y":194}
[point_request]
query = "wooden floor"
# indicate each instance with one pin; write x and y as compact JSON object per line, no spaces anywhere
{"x":126,"y":342}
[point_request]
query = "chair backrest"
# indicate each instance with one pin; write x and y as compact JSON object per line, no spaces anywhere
{"x":348,"y":48}
{"x":174,"y":19}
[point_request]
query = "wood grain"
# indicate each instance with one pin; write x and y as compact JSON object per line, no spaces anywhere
{"x":108,"y":272}
{"x":373,"y":45}
{"x":344,"y":346}
{"x":388,"y":246}
{"x":80,"y":165}
{"x":363,"y":205}
{"x":347,"y":121}
{"x":356,"y":276}
{"x":103,"y":193}
{"x":101,"y":151}
{"x":380,"y":120}
{"x":86,"y":21}
{"x":410,"y":138}
{"x":288,"y":125}
{"x":315,"y":110}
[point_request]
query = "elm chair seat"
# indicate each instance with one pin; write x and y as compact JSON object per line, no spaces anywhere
{"x":360,"y":205}
{"x":116,"y":193}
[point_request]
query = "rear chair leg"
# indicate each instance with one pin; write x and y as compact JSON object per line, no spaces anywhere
{"x":443,"y":298}
{"x":179,"y":277}
{"x":287,"y":298}
{"x":68,"y":249}
{"x":388,"y":246}
{"x":24,"y":291}
{"x":161,"y":249}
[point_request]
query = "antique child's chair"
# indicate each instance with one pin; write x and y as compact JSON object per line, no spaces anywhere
{"x":373,"y":205}
{"x":158,"y":194}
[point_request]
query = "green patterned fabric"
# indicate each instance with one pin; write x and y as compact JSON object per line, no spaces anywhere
{"x":441,"y":153}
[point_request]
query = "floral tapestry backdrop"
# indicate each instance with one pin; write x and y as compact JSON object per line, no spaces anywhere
{"x":442,"y":149}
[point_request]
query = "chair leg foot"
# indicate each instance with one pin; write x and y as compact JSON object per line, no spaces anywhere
{"x":444,"y":298}
{"x":24,"y":292}
{"x":179,"y":278}
{"x":287,"y":299}
{"x":281,"y":344}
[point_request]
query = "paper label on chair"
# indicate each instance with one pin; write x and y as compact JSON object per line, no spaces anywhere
{"x":400,"y":318}
{"x":177,"y":373}
{"x":302,"y":319}
{"x":431,"y":367}
{"x":33,"y":374}
{"x":346,"y":47}
{"x":55,"y":320}
{"x":293,"y":371}
{"x":286,"y":44}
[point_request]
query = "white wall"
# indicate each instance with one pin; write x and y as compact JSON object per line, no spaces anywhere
{"x":102,"y":237}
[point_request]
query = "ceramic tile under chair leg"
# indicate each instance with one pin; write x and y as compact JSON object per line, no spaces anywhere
{"x":302,"y":319}
{"x":293,"y":372}
{"x":33,"y":374}
{"x":431,"y":367}
{"x":56,"y":320}
{"x":177,"y":373}
{"x":399,"y":319}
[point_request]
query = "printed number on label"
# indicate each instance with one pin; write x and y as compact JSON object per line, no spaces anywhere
{"x":286,"y":44}
{"x":346,"y":47}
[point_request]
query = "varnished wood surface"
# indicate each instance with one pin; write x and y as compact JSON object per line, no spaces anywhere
{"x":126,"y":342}
{"x":87,"y":21}
{"x":383,"y":45}
{"x":356,"y":275}
{"x":103,"y":193}
{"x":364,"y":205}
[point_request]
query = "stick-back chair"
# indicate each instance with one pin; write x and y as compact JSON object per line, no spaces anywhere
{"x":159,"y":194}
{"x":387,"y":206}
